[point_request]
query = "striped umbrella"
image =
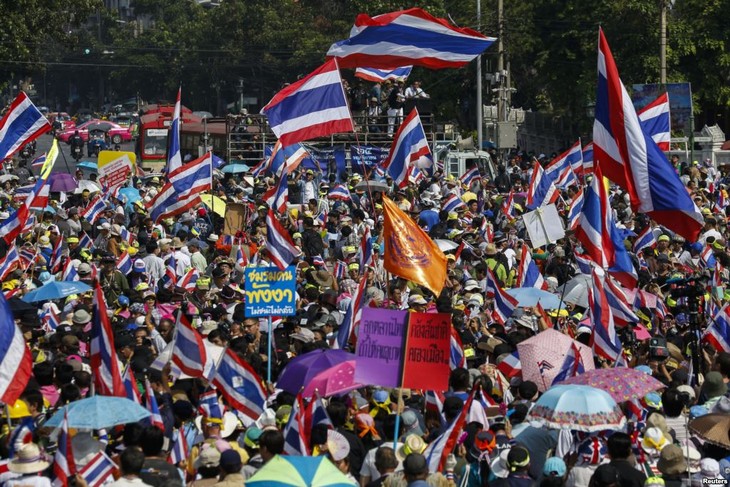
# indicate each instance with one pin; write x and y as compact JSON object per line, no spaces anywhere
{"x":283,"y":471}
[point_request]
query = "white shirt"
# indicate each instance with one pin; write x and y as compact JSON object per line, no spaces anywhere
{"x":28,"y":480}
{"x":124,"y":482}
{"x":412,"y":92}
{"x":182,"y":262}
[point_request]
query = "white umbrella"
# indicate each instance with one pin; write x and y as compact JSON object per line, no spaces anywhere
{"x":86,"y":184}
{"x":446,"y":245}
{"x":575,"y":291}
{"x":8,"y":177}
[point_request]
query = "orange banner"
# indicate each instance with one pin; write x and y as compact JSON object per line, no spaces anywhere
{"x":409,"y":251}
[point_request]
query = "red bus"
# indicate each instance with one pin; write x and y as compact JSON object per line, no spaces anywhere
{"x":154,"y":124}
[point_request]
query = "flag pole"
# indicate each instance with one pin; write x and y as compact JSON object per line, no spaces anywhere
{"x":268,"y":352}
{"x":542,"y":224}
{"x":397,"y":419}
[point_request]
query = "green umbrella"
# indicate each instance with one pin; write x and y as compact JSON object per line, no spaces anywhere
{"x":285,"y":471}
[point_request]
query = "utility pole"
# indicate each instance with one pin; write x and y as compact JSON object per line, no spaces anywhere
{"x":480,"y":116}
{"x":663,"y":44}
{"x":501,"y":111}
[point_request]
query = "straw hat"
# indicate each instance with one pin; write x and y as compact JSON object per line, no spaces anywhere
{"x":28,"y":460}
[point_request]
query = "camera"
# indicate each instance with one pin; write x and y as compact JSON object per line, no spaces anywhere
{"x":658,"y":349}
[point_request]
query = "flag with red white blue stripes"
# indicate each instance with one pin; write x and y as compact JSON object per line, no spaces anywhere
{"x":151,"y":404}
{"x":63,"y":461}
{"x":240,"y":385}
{"x":188,"y":351}
{"x":98,"y":469}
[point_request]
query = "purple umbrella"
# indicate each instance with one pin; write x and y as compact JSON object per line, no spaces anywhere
{"x":61,"y":181}
{"x":300,"y":371}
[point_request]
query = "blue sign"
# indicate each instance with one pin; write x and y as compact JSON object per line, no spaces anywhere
{"x":367,"y":155}
{"x":270,"y":291}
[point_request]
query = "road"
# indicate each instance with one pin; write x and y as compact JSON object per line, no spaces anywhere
{"x":66,"y":163}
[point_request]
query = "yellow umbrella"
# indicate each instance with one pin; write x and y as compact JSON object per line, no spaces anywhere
{"x":214,"y":203}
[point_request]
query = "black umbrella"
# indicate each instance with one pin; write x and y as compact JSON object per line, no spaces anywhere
{"x":25,"y":312}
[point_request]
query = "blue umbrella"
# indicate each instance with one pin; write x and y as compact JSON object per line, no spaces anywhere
{"x":578,"y":408}
{"x":56,"y":290}
{"x":235,"y":168}
{"x":129,"y":196}
{"x":99,"y":412}
{"x":88,"y":165}
{"x":529,"y":296}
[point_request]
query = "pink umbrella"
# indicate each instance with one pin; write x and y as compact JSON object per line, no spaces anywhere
{"x":338,"y":379}
{"x":621,"y":383}
{"x":543,"y":355}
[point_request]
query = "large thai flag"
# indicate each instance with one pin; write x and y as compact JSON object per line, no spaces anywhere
{"x":104,"y":362}
{"x":588,"y":159}
{"x":409,"y":145}
{"x":295,"y":434}
{"x":94,"y":209}
{"x":380,"y":75}
{"x":542,"y":190}
{"x":16,"y":364}
{"x":440,"y":448}
{"x":188,"y":352}
{"x":277,"y":196}
{"x":630,"y":158}
{"x":315,"y":106}
{"x":192,"y":178}
{"x":656,"y":121}
{"x":408,"y":37}
{"x":174,"y":157}
{"x":470,"y":176}
{"x":168,"y":202}
{"x":504,"y":304}
{"x":9,"y":263}
{"x":278,"y":242}
{"x":562,"y":169}
{"x":645,"y":239}
{"x":352,"y":317}
{"x":21,"y":124}
{"x":572,"y":365}
{"x":98,"y":469}
{"x":576,"y":206}
{"x":63,"y":461}
{"x":604,"y":340}
{"x":240,"y":385}
{"x":528,"y":274}
{"x":718,"y":333}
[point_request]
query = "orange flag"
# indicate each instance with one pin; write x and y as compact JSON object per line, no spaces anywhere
{"x":409,"y":251}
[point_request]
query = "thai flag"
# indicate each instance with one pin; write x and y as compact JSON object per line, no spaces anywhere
{"x":9,"y":263}
{"x":179,"y":450}
{"x":316,"y":413}
{"x":69,"y":272}
{"x":443,"y":446}
{"x":38,"y":161}
{"x":15,"y":358}
{"x":365,"y":252}
{"x":470,"y":176}
{"x":238,"y":383}
{"x":104,"y":362}
{"x":27,"y":257}
{"x":170,"y":278}
{"x":174,"y":158}
{"x":622,"y":311}
{"x":352,"y":317}
{"x":504,"y":304}
{"x":295,"y":434}
{"x":408,"y":37}
{"x":315,"y":106}
{"x":656,"y":122}
{"x":41,"y":199}
{"x":452,"y":203}
{"x":188,"y":353}
{"x":278,"y":242}
{"x":380,"y":75}
{"x":130,"y":386}
{"x":645,"y":239}
{"x":54,"y":263}
{"x":322,"y":218}
{"x":562,"y":171}
{"x":588,"y":159}
{"x":318,"y":261}
{"x":409,"y":145}
{"x":415,"y":176}
{"x":630,"y":158}
{"x":21,"y":124}
{"x":98,"y":469}
{"x":151,"y":403}
{"x":718,"y":333}
{"x":510,"y":366}
{"x":126,"y":235}
{"x":340,"y":270}
{"x":169,"y":202}
{"x":94,"y":209}
{"x":486,"y":230}
{"x":281,"y":160}
{"x":604,"y":340}
{"x":457,"y":359}
{"x":124,"y":263}
{"x":208,"y":404}
{"x":576,"y":206}
{"x":585,"y":265}
{"x":49,"y":320}
{"x":508,"y":206}
{"x":192,"y":178}
{"x":85,"y":241}
{"x":63,"y":461}
{"x":717,"y":275}
{"x":188,"y":280}
{"x":435,"y":404}
{"x":528,"y":274}
{"x":277,"y":196}
{"x":707,"y":257}
{"x":572,"y":365}
{"x":241,"y":259}
{"x":542,"y":190}
{"x":340,"y":192}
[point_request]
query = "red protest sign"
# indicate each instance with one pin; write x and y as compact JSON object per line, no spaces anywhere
{"x":426,"y":358}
